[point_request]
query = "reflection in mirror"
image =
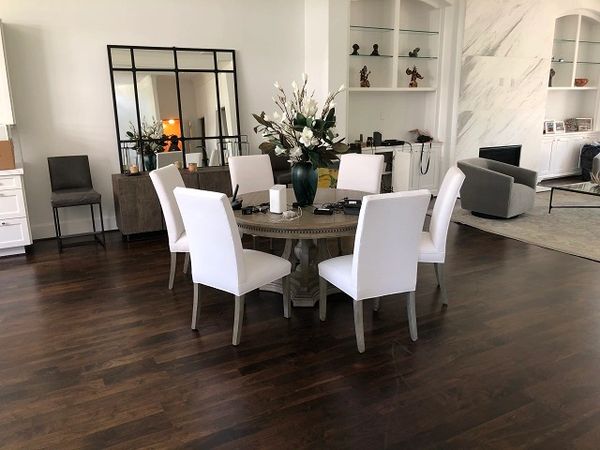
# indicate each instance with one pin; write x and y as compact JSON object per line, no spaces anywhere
{"x":154,"y":59}
{"x":199,"y":104}
{"x":228,"y":111}
{"x":125,"y":101}
{"x":157,"y":97}
{"x":121,"y":58}
{"x":198,"y":150}
{"x":225,"y":60}
{"x":195,"y":60}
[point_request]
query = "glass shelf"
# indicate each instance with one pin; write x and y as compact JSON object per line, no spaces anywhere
{"x":417,"y":57}
{"x":366,"y":28}
{"x":372,"y":56}
{"x":573,"y":41}
{"x":578,"y":62}
{"x":562,"y":62}
{"x":419,"y":32}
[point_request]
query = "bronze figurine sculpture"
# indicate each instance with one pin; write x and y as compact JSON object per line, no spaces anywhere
{"x":414,"y":76}
{"x":364,"y":77}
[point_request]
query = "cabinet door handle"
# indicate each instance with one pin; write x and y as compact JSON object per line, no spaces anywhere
{"x":3,"y":223}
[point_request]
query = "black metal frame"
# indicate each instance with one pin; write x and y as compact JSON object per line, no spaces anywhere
{"x":559,"y":188}
{"x":176,"y":70}
{"x":95,"y":233}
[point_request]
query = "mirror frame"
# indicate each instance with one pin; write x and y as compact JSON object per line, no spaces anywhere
{"x":176,"y":70}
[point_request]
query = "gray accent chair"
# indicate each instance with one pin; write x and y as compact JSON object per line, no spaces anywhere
{"x":495,"y":189}
{"x":71,"y":183}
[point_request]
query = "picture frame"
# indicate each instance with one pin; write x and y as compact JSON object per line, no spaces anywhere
{"x":584,"y":123}
{"x":549,"y":127}
{"x":559,"y":126}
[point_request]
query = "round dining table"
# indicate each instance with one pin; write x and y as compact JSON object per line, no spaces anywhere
{"x":300,"y":235}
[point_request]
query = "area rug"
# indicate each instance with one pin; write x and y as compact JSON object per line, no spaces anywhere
{"x":572,"y":231}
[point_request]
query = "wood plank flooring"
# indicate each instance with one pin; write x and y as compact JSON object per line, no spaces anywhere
{"x":96,"y":352}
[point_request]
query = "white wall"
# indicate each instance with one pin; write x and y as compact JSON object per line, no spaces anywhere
{"x":60,"y":82}
{"x":506,"y":55}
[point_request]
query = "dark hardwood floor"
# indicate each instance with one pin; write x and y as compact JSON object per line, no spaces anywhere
{"x":96,"y":352}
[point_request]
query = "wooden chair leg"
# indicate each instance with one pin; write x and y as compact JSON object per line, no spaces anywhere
{"x":186,"y":263}
{"x":172,"y":270}
{"x":287,"y":301}
{"x":322,"y":299}
{"x":359,"y":326}
{"x":196,"y":307}
{"x":238,"y":319}
{"x":439,"y":273}
{"x":412,"y":316}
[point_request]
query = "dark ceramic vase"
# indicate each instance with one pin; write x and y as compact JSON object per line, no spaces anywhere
{"x":304,"y":182}
{"x":149,"y":162}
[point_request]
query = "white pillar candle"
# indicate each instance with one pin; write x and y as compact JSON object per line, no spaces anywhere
{"x":278,"y":199}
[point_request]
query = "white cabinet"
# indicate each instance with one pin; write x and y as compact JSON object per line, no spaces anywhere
{"x":413,"y":168}
{"x":6,"y":109}
{"x":560,"y":154}
{"x":15,"y":233}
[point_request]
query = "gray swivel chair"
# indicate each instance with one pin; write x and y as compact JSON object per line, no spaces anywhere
{"x":496,"y":190}
{"x":71,"y":183}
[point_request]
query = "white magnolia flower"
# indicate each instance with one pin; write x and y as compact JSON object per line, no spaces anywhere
{"x":307,"y":136}
{"x":310,"y":108}
{"x":341,"y":88}
{"x":294,"y":86}
{"x":276,"y":84}
{"x":296,"y":153}
{"x":279,"y":150}
{"x":276,"y":116}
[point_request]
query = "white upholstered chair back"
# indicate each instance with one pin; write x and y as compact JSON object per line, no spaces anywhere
{"x":165,"y":180}
{"x":215,"y":245}
{"x":386,"y":247}
{"x":360,"y":172}
{"x":444,"y":205}
{"x":253,"y":173}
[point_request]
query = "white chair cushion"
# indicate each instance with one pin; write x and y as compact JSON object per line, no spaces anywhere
{"x":338,"y":271}
{"x":180,"y":245}
{"x":262,"y":268}
{"x":428,"y":253}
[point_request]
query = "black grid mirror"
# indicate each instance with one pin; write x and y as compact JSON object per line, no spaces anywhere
{"x":175,"y":104}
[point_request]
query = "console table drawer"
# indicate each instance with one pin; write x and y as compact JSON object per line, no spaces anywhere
{"x":12,"y":204}
{"x":10,"y":182}
{"x":14,"y":233}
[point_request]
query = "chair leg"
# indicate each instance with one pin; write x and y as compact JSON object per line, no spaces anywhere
{"x":102,"y":226}
{"x":287,"y":301}
{"x":339,"y":245}
{"x":93,"y":219}
{"x":57,"y":229}
{"x":412,"y":316}
{"x":359,"y":326}
{"x":322,"y":299}
{"x":439,"y":273}
{"x":196,"y":307}
{"x":172,"y":269}
{"x":376,"y":304}
{"x":186,"y":263}
{"x":238,"y":319}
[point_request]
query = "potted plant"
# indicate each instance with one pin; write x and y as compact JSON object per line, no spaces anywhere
{"x":150,"y":141}
{"x":303,"y":134}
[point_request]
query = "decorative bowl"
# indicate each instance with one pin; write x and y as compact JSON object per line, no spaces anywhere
{"x":581,"y":82}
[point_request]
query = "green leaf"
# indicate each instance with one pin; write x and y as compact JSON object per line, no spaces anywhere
{"x":300,"y":121}
{"x":339,"y":147}
{"x":267,"y":147}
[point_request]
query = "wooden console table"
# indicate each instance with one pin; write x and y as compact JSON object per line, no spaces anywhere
{"x":137,"y":208}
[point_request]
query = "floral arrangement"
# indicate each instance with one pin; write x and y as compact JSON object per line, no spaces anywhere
{"x":152,"y":137}
{"x":298,"y":130}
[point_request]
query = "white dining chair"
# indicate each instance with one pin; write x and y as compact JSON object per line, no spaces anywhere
{"x":360,"y":172}
{"x":386,"y":252}
{"x":252,"y":173}
{"x":218,"y":259}
{"x":165,"y":180}
{"x":433,"y":241}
